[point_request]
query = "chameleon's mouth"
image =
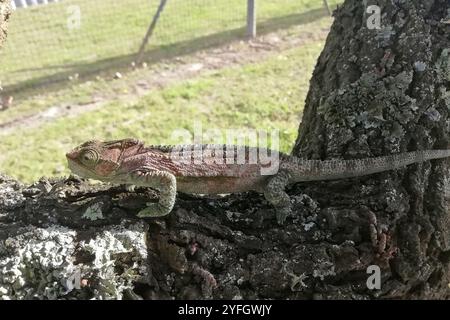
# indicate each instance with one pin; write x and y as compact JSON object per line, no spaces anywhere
{"x":79,"y":170}
{"x":84,"y":172}
{"x":71,"y":156}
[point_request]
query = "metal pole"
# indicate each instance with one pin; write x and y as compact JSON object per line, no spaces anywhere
{"x":23,"y":3}
{"x":325,"y":3}
{"x":150,"y":30}
{"x":251,"y":18}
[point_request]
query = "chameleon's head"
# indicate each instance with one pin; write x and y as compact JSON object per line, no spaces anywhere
{"x":100,"y":160}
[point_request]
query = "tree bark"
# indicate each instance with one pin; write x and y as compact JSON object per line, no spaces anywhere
{"x":378,"y":92}
{"x":65,"y":239}
{"x":4,"y":16}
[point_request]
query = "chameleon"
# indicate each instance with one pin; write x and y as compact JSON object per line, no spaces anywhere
{"x":220,"y":169}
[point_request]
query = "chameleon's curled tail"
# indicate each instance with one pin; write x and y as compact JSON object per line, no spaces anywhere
{"x":308,"y":170}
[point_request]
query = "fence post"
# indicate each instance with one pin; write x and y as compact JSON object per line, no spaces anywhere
{"x":150,"y":30}
{"x":23,"y":3}
{"x":251,"y":18}
{"x":325,"y":3}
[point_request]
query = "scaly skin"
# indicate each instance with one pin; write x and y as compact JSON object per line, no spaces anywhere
{"x":218,"y":169}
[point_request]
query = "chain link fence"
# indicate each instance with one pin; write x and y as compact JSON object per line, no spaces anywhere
{"x":53,"y":40}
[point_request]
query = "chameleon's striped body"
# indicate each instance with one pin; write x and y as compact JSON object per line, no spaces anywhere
{"x":215,"y":169}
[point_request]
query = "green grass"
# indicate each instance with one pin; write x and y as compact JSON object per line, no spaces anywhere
{"x":41,"y":45}
{"x":267,"y":95}
{"x":84,"y":91}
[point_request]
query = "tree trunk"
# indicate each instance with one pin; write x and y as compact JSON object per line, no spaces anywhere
{"x":4,"y":16}
{"x":378,"y":92}
{"x":64,"y":238}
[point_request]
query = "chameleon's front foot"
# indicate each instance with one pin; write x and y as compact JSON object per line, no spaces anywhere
{"x":154,"y":210}
{"x":164,"y":182}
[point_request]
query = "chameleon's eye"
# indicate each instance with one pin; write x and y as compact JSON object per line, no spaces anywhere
{"x":89,"y":157}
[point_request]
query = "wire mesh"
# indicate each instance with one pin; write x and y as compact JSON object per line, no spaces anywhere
{"x":51,"y":40}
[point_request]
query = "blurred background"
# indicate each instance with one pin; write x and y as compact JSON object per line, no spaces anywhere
{"x":74,"y":70}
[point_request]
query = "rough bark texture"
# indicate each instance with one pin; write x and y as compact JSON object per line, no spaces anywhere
{"x":4,"y":16}
{"x":377,"y":92}
{"x":362,"y":102}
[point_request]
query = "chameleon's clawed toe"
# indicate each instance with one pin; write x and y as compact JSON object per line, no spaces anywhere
{"x":130,"y":187}
{"x":153,"y":210}
{"x":282,"y":214}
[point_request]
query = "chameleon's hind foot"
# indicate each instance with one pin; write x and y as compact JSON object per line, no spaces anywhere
{"x":153,"y":210}
{"x":275,"y":194}
{"x":282,"y":213}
